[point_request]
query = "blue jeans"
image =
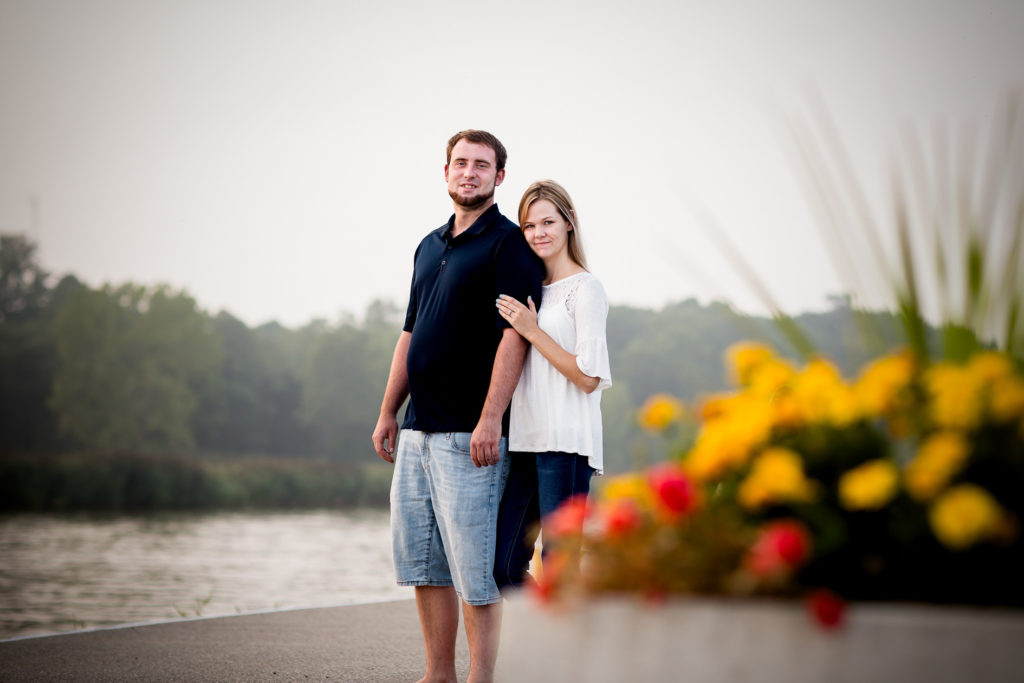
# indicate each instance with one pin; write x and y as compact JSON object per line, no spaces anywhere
{"x":537,"y":484}
{"x":444,"y":511}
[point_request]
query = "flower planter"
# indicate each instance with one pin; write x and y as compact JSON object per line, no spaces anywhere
{"x":735,"y":640}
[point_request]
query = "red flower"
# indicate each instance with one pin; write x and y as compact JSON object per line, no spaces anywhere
{"x":826,"y":608}
{"x":673,"y":490}
{"x":782,"y":547}
{"x":620,"y":518}
{"x":567,"y":519}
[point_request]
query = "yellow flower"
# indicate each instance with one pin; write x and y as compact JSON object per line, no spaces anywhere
{"x":1006,"y":399}
{"x":962,"y":395}
{"x":743,"y":358}
{"x":990,"y":365}
{"x":776,"y":476}
{"x":869,"y":486}
{"x":771,"y":377}
{"x":820,"y":395}
{"x":659,"y":411}
{"x":965,"y":515}
{"x":727,"y":441}
{"x":631,"y":486}
{"x":937,"y":460}
{"x":956,"y":396}
{"x":882,"y":384}
{"x":716,"y":405}
{"x":787,"y":410}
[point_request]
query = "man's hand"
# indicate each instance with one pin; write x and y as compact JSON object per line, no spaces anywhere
{"x":385,"y":437}
{"x":484,"y":444}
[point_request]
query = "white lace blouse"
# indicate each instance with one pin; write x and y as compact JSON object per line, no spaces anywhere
{"x":550,"y":413}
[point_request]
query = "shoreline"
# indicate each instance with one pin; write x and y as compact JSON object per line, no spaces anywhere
{"x":201,"y":617}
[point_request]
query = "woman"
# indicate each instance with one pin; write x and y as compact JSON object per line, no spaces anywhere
{"x":555,"y":429}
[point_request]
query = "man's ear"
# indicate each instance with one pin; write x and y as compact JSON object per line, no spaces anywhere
{"x":499,"y":177}
{"x":446,"y":172}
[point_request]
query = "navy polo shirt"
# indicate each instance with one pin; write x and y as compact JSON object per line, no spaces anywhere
{"x":454,"y":323}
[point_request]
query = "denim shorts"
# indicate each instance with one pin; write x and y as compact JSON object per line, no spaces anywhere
{"x":444,"y":514}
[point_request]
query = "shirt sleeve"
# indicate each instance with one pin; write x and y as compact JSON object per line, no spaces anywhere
{"x":410,"y":311}
{"x":519,"y":273}
{"x":591,"y":314}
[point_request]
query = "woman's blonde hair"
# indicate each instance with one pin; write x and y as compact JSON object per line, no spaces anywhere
{"x":557,"y":195}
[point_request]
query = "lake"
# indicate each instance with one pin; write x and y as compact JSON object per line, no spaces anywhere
{"x":60,"y":573}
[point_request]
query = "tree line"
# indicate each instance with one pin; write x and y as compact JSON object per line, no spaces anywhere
{"x":141,"y":370}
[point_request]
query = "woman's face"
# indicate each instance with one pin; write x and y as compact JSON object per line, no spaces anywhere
{"x":545,"y":230}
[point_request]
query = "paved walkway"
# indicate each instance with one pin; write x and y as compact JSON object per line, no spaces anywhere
{"x":378,"y":642}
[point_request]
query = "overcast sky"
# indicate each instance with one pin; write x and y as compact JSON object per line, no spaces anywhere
{"x":281,"y":160}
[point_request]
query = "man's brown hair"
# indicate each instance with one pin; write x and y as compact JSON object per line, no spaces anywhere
{"x":480,"y":137}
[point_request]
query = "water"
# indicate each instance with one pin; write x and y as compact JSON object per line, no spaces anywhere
{"x":63,"y":573}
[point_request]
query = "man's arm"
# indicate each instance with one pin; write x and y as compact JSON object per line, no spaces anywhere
{"x":385,"y":435}
{"x":508,"y":365}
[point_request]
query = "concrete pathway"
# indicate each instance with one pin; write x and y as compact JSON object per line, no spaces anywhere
{"x":378,"y":642}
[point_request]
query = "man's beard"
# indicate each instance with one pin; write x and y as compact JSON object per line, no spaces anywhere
{"x":471,"y":202}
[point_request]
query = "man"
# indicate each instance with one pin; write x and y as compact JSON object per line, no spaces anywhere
{"x":458,"y":362}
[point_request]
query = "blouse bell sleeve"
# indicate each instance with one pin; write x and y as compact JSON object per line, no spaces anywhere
{"x":591,"y":313}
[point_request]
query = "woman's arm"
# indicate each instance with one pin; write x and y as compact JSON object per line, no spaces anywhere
{"x":524,"y":320}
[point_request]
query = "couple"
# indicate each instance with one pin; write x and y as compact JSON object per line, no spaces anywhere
{"x":497,"y":314}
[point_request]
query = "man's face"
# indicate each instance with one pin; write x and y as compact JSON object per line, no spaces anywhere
{"x":472,"y":174}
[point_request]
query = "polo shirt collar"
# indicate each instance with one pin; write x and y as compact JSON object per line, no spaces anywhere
{"x":482,"y":222}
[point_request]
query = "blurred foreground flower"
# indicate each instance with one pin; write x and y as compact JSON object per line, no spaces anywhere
{"x":660,"y":411}
{"x":827,"y":608}
{"x":780,"y":549}
{"x":784,"y":494}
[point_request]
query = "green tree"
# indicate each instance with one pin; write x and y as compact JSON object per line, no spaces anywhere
{"x":344,"y":379}
{"x":23,"y":288}
{"x":130,"y":361}
{"x":250,"y":404}
{"x":28,"y":355}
